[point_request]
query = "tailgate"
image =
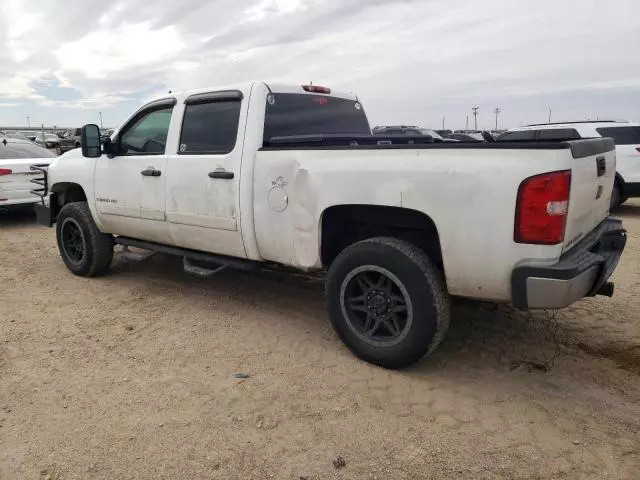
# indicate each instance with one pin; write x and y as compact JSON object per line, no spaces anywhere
{"x":592,"y":175}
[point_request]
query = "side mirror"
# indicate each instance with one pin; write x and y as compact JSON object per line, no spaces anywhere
{"x":90,"y":141}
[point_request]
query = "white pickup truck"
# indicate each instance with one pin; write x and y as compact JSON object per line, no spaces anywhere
{"x":259,"y":174}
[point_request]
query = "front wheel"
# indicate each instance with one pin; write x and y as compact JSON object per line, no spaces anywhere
{"x":85,"y":250}
{"x":387,"y":302}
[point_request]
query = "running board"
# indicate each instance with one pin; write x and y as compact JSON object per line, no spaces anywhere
{"x":200,"y":271}
{"x":209,"y":259}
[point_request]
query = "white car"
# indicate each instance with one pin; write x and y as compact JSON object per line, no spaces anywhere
{"x":16,"y":158}
{"x":249,"y":175}
{"x":625,"y":134}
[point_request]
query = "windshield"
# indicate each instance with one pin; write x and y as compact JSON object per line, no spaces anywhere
{"x":431,"y":133}
{"x":290,"y":114}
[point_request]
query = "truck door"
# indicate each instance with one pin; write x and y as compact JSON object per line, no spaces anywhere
{"x":130,"y":186}
{"x":203,"y":176}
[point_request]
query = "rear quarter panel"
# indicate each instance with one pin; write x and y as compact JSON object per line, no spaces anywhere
{"x":469,"y":194}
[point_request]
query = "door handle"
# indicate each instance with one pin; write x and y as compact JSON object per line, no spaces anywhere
{"x":221,"y":173}
{"x":601,"y":163}
{"x":151,"y":172}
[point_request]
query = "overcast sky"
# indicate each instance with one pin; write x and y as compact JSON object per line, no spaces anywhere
{"x":61,"y":62}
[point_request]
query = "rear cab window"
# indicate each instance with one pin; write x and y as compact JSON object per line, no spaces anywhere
{"x":622,"y":135}
{"x":289,"y":114}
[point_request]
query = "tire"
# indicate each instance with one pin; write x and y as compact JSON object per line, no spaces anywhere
{"x":357,"y":295}
{"x":75,"y":231}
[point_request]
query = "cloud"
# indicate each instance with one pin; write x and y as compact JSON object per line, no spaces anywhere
{"x":410,"y":61}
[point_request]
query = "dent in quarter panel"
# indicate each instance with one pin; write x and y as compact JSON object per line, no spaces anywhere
{"x":305,"y":212}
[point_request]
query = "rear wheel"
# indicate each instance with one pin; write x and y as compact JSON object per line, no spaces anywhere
{"x":85,"y":250}
{"x":387,"y":302}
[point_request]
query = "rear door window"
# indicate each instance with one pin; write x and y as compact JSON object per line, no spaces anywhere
{"x":558,"y":134}
{"x":210,"y":128}
{"x":622,"y":135}
{"x":519,"y":135}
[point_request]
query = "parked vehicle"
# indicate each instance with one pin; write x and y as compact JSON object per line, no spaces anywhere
{"x":408,"y":131}
{"x":106,"y":132}
{"x":70,"y":139}
{"x":49,"y":140}
{"x":11,"y":134}
{"x":443,"y":133}
{"x":30,"y":134}
{"x":16,"y":158}
{"x":627,"y":138}
{"x":465,"y":137}
{"x":252,"y":175}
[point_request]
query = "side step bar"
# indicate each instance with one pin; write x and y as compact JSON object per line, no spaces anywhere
{"x":198,"y":263}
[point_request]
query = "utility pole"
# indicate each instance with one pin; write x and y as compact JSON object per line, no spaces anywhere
{"x":466,"y":125}
{"x":475,"y":116}
{"x":100,"y":113}
{"x":443,"y":122}
{"x":497,"y":112}
{"x":28,"y":121}
{"x":549,"y":115}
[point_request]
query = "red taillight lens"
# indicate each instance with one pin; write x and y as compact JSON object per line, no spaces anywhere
{"x":541,"y":208}
{"x":315,"y":89}
{"x":5,"y":171}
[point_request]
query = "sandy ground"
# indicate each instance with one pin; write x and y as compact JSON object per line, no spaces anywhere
{"x":133,"y":376}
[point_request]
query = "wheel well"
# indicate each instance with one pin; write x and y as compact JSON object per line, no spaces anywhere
{"x":343,"y":225}
{"x":63,"y":193}
{"x":620,"y":182}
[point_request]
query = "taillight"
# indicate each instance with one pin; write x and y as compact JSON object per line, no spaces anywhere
{"x":5,"y":171}
{"x":638,"y":149}
{"x":315,"y":89}
{"x":541,"y":208}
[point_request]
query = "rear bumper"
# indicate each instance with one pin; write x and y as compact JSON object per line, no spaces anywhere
{"x":581,"y":272}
